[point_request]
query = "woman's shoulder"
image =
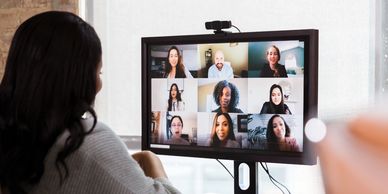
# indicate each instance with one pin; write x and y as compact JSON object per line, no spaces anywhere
{"x":236,"y":110}
{"x":101,"y":141}
{"x":179,"y":141}
{"x":265,"y":108}
{"x":280,"y":66}
{"x":282,"y":70}
{"x":292,"y":143}
{"x":99,"y":129}
{"x":290,"y":140}
{"x":217,"y":110}
{"x":92,"y":161}
{"x":266,"y":104}
{"x":287,"y":109}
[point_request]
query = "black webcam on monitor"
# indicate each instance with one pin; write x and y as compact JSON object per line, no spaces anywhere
{"x":218,"y":25}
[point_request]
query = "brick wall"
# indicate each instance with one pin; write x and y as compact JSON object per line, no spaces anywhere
{"x":14,"y":12}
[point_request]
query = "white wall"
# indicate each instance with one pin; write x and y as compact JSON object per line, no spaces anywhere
{"x":345,"y":78}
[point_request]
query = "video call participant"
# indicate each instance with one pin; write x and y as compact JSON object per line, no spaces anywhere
{"x":174,"y":66}
{"x":51,"y":78}
{"x":276,"y":102}
{"x":279,"y":135}
{"x":226,"y":96}
{"x":176,"y":127}
{"x":175,"y":102}
{"x":222,"y":134}
{"x":273,"y":68}
{"x":219,"y":69}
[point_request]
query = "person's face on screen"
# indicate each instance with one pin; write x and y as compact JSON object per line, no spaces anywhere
{"x":225,"y":97}
{"x":272,"y":56}
{"x":276,"y":96}
{"x":279,"y":128}
{"x":176,"y":128}
{"x":222,"y":127}
{"x":219,"y":59}
{"x":173,"y":57}
{"x":173,"y":92}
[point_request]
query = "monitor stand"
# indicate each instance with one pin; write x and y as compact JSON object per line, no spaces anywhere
{"x":246,"y":181}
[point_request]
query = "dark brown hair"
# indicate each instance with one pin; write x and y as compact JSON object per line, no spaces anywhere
{"x":180,"y":71}
{"x":49,"y":83}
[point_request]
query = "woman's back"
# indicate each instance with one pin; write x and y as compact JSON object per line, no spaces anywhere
{"x":50,"y":81}
{"x":101,"y":165}
{"x":51,"y":78}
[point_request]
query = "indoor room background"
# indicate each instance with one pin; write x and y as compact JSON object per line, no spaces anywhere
{"x":352,"y":66}
{"x":346,"y":41}
{"x":346,"y":67}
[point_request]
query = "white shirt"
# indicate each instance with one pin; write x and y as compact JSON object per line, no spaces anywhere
{"x":176,"y":105}
{"x":226,"y":72}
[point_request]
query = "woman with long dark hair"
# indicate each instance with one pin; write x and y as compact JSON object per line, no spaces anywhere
{"x":174,"y":66}
{"x":279,"y":135}
{"x":175,"y":102}
{"x":50,"y":140}
{"x":222,"y":134}
{"x":276,"y":104}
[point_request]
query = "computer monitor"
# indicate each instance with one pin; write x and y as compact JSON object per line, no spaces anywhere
{"x":236,"y":96}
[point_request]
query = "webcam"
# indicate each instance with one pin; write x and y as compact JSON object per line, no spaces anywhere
{"x":218,"y":25}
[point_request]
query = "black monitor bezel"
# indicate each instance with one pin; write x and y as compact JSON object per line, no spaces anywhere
{"x":310,"y":36}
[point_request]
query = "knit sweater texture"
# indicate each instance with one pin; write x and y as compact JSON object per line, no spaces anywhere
{"x":102,"y":165}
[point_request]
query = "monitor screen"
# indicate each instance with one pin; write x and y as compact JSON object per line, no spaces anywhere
{"x":242,"y":96}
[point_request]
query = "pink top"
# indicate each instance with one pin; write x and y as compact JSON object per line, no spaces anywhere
{"x":290,"y":144}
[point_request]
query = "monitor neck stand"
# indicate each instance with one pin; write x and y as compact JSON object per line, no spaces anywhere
{"x":241,"y":184}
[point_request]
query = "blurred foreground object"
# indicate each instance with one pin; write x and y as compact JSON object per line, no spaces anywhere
{"x":354,"y":156}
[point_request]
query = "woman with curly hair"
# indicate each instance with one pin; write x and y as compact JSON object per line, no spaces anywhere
{"x":226,"y":96}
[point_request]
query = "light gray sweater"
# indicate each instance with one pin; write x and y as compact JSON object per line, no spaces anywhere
{"x":101,"y":165}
